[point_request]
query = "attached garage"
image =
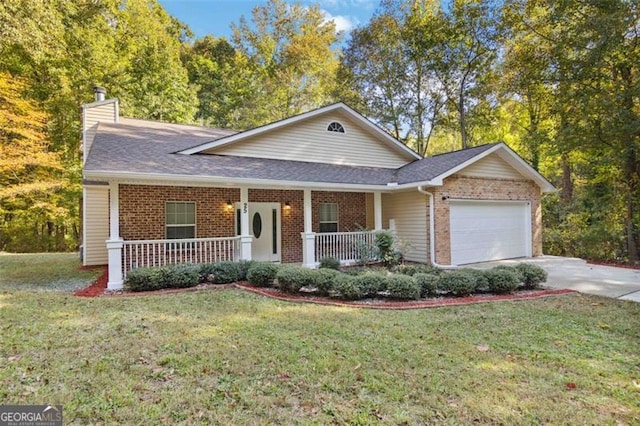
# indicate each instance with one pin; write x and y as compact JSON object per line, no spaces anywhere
{"x":484,"y":230}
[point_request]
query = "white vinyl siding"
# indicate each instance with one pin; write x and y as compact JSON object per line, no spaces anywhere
{"x":328,"y":213}
{"x":409,"y":209}
{"x":491,"y":166}
{"x":95,"y":225}
{"x":310,"y":141}
{"x":92,"y":115}
{"x":489,"y":230}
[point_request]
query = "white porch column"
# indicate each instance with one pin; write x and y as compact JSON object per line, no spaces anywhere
{"x":114,"y":243}
{"x":308,"y":236}
{"x":377,"y":211}
{"x":245,"y":237}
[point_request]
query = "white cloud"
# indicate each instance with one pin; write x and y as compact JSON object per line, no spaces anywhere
{"x":343,"y":23}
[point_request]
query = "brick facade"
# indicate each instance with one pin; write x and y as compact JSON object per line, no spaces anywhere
{"x":142,"y":212}
{"x":483,"y":189}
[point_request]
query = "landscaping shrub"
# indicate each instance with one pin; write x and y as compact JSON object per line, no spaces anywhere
{"x":360,"y":270}
{"x":347,"y":288}
{"x":458,"y":283}
{"x":292,"y":278}
{"x":428,"y":284}
{"x":413,"y":269}
{"x":149,"y":279}
{"x":330,"y":263}
{"x":479,"y":278}
{"x":220,"y":272}
{"x":403,"y":287}
{"x":325,"y":280}
{"x":502,"y":280}
{"x":386,"y":252}
{"x":262,"y":273}
{"x":371,"y":283}
{"x":513,"y":269}
{"x":244,"y":266}
{"x":532,"y":275}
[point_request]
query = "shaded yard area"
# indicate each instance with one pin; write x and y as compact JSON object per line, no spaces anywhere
{"x":230,"y":357}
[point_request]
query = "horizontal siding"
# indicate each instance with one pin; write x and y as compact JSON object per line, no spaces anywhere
{"x":409,"y":209}
{"x":96,"y":225}
{"x":102,"y":113}
{"x":310,"y":141}
{"x":491,"y":166}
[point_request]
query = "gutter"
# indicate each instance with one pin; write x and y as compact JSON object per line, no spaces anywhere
{"x":432,"y":237}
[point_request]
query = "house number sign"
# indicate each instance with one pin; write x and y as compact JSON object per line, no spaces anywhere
{"x":245,"y":207}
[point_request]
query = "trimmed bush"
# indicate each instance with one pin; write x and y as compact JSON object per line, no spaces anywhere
{"x":292,"y":278}
{"x":513,"y":269}
{"x":372,"y":283}
{"x":403,"y":287}
{"x":502,"y":280}
{"x":411,"y":270}
{"x":330,"y":263}
{"x":244,"y":266}
{"x":458,"y":283}
{"x":428,"y":284}
{"x":532,"y":275}
{"x":149,"y":279}
{"x":479,"y":278}
{"x":220,"y":272}
{"x":262,"y":273}
{"x":325,"y":280}
{"x":346,"y":287}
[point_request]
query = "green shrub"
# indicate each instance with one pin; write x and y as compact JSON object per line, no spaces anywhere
{"x":458,"y":283}
{"x":384,"y":243}
{"x":325,"y":280}
{"x":428,"y":284}
{"x":360,"y":270}
{"x":220,"y":272}
{"x":292,"y":278}
{"x":403,"y":287}
{"x":180,"y":276}
{"x":413,"y":269}
{"x":532,"y":275}
{"x":143,"y":279}
{"x":149,"y":279}
{"x":347,"y":288}
{"x":244,"y":266}
{"x":330,"y":263}
{"x":479,"y":278}
{"x":371,"y":283}
{"x":262,"y":273}
{"x":502,"y":280}
{"x":513,"y":269}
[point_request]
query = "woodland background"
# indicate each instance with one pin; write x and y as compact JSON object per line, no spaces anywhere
{"x":558,"y":81}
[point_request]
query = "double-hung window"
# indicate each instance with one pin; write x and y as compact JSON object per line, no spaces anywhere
{"x":328,"y":217}
{"x":180,"y":219}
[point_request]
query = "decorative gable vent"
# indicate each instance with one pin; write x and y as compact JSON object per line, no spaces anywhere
{"x":334,"y":126}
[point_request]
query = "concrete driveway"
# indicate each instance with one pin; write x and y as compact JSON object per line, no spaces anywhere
{"x":577,"y":274}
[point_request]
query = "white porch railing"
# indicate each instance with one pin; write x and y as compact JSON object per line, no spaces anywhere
{"x":347,"y":247}
{"x":143,"y":253}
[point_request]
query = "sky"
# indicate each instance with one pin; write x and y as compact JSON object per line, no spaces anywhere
{"x":215,"y":16}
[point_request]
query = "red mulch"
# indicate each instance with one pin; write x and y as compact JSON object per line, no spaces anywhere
{"x":398,"y":304}
{"x":97,"y":287}
{"x":616,"y":265}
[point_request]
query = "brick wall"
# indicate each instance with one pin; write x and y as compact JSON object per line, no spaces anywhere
{"x":352,"y":209}
{"x":142,"y":210}
{"x":483,"y":189}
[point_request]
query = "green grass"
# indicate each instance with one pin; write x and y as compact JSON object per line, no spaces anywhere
{"x":43,"y":271}
{"x":229,"y":357}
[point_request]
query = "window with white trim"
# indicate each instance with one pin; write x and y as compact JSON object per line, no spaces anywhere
{"x":334,"y":126}
{"x":328,"y":217}
{"x":180,"y":219}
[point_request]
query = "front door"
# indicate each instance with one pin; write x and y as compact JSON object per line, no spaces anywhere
{"x":264,"y":226}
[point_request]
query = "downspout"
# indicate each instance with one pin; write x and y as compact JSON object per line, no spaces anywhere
{"x":432,"y":237}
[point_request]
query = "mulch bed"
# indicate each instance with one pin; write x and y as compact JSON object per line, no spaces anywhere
{"x":99,"y":286}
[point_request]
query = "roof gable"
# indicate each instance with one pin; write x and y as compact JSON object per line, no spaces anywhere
{"x":306,"y":137}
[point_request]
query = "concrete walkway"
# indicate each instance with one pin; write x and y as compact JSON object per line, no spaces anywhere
{"x":577,"y":274}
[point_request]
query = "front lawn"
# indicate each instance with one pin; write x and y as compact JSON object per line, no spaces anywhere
{"x":230,"y":357}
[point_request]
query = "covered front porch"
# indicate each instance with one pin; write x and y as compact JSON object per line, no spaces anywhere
{"x":232,"y":224}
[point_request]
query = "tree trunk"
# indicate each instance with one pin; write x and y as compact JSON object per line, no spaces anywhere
{"x":567,"y":181}
{"x":463,"y":121}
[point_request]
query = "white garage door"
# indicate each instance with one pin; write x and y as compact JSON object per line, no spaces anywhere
{"x":489,"y":230}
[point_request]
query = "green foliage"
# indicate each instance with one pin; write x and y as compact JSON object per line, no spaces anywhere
{"x":220,"y":272}
{"x":292,"y":278}
{"x":324,"y":280}
{"x":479,"y":278}
{"x":372,"y":283}
{"x":412,"y":269}
{"x":513,"y":269}
{"x":244,"y":266}
{"x":428,"y":284}
{"x":385,"y":246}
{"x":457,"y":283}
{"x":403,"y":287}
{"x":532,"y":275}
{"x":262,"y":273}
{"x":330,"y":263}
{"x":346,"y":287}
{"x":502,"y":280}
{"x":150,"y":279}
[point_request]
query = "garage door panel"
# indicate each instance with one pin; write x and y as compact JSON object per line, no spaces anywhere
{"x":483,"y":230}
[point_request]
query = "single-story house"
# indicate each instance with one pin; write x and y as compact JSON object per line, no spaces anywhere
{"x":310,"y":186}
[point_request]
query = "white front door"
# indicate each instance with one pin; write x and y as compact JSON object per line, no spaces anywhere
{"x":264,"y":226}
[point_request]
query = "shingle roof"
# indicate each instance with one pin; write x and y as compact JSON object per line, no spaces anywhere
{"x":149,"y":147}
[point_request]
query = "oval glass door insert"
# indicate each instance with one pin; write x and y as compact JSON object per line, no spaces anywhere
{"x":257,"y":225}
